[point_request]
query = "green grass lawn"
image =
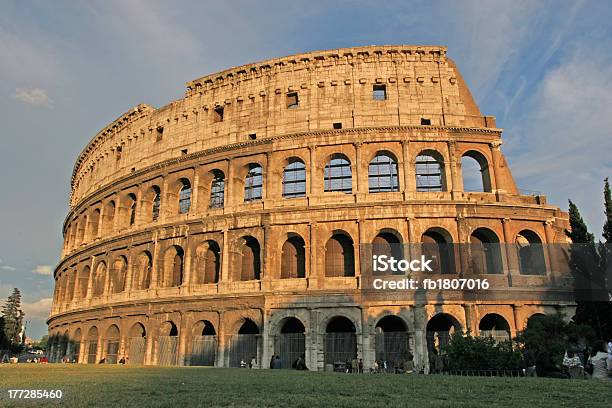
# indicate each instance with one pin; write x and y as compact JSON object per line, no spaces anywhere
{"x":121,"y":386}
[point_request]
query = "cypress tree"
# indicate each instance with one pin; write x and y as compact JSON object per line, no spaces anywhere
{"x":579,"y":233}
{"x":607,"y":228}
{"x":13,"y":317}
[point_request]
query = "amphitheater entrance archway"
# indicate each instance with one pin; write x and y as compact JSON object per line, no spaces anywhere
{"x":92,"y":345}
{"x":439,"y":329}
{"x":244,"y":345}
{"x":138,"y":339}
{"x":392,"y":344}
{"x":112,"y":344}
{"x":76,"y":341}
{"x":340,"y":341}
{"x":203,"y":344}
{"x":168,"y":344}
{"x":290,"y":343}
{"x":495,"y":326}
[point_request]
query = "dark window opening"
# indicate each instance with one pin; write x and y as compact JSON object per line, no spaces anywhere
{"x":133,"y":169}
{"x":156,"y":203}
{"x":292,"y":100}
{"x":184,"y":152}
{"x":425,"y":122}
{"x":159,"y":133}
{"x":119,"y":149}
{"x":217,"y":190}
{"x":379,"y":92}
{"x":218,"y":114}
{"x":132,"y":209}
{"x":253,"y":136}
{"x":294,"y":180}
{"x":185,"y":197}
{"x":337,"y":125}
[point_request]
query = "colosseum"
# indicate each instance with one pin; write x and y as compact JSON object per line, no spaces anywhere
{"x":239,"y":222}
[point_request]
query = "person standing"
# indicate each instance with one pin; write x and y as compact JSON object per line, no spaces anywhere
{"x":599,"y":360}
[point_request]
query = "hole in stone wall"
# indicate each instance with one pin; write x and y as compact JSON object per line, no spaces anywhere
{"x":292,"y":100}
{"x":253,"y":136}
{"x":338,"y":125}
{"x":379,"y":92}
{"x":159,"y":133}
{"x":425,"y":121}
{"x":218,"y":114}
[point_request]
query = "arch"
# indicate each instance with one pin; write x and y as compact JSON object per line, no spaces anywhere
{"x":291,"y":325}
{"x":250,"y":254}
{"x":391,"y":323}
{"x":340,"y":340}
{"x":339,"y":256}
{"x":530,"y":253}
{"x":112,"y":344}
{"x":173,"y":267}
{"x":485,"y":253}
{"x":439,"y":329}
{"x":382,"y":173}
{"x":293,"y":258}
{"x":388,"y":243}
{"x":208,"y":262}
{"x":155,"y":192}
{"x":119,"y":274}
{"x":436,"y":244}
{"x":184,"y":203}
{"x":217,"y":189}
{"x":290,"y":342}
{"x":109,"y":216}
{"x":392,"y":342}
{"x":92,"y":345}
{"x":248,"y":327}
{"x":475,"y":172}
{"x":142,"y":271}
{"x":244,"y":346}
{"x":76,"y":344}
{"x":337,"y":176}
{"x":253,"y":183}
{"x":99,"y":279}
{"x":294,"y":178}
{"x":137,"y":330}
{"x":132,"y":205}
{"x":204,"y":328}
{"x":429,"y":171}
{"x":83,"y":282}
{"x":203,"y":344}
{"x":94,"y":219}
{"x":168,"y":344}
{"x":168,"y":328}
{"x":534,"y":319}
{"x":137,"y":343}
{"x":70,"y":277}
{"x":495,"y":326}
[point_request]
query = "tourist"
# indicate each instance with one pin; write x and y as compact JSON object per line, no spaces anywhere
{"x":272,"y":361}
{"x":599,"y":360}
{"x":375,"y":367}
{"x":301,"y":363}
{"x":277,"y":365}
{"x":253,"y":363}
{"x":409,"y":364}
{"x":354,"y":365}
{"x":242,"y":364}
{"x":573,"y":364}
{"x":360,"y":366}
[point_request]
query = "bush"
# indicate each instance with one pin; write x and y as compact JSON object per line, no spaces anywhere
{"x":481,"y":353}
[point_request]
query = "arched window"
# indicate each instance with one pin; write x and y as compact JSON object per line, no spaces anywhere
{"x":392,"y":342}
{"x":382,"y":174}
{"x":185,"y":197}
{"x":173,"y":267}
{"x":485,"y":255}
{"x":112,"y":344}
{"x":530,"y":252}
{"x":156,"y":203}
{"x":475,"y":172}
{"x":217,"y":190}
{"x":142,"y":271}
{"x":253,"y":183}
{"x":208,"y":262}
{"x":436,"y":244}
{"x":83,"y":282}
{"x":109,"y":216}
{"x":429,"y":170}
{"x":339,"y":256}
{"x":99,"y":279}
{"x":95,"y":222}
{"x":387,"y":244}
{"x":340,"y":340}
{"x":439,"y":330}
{"x":132,"y":198}
{"x":495,"y":326}
{"x":250,"y":262}
{"x":293,"y":258}
{"x":119,"y":274}
{"x":294,"y":179}
{"x":337,"y":175}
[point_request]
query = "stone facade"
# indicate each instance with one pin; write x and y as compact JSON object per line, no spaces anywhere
{"x":215,"y":222}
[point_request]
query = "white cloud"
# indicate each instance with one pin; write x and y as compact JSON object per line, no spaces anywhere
{"x":46,"y":270}
{"x":33,"y":96}
{"x":39,"y":309}
{"x":8,"y":268}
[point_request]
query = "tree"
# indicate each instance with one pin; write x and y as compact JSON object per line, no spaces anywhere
{"x":13,"y":317}
{"x":607,"y":229}
{"x":4,"y":343}
{"x":579,"y":233}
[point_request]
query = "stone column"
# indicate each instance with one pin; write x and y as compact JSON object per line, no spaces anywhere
{"x":360,"y":184}
{"x":511,"y":255}
{"x":409,"y":177}
{"x":312,"y":176}
{"x":495,"y":174}
{"x":456,"y":186}
{"x":92,"y":273}
{"x":163,"y":197}
{"x":553,"y":265}
{"x":155,"y":263}
{"x":195,"y":191}
{"x":224,"y":275}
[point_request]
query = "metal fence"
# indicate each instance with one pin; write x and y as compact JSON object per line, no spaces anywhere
{"x":203,"y":350}
{"x":243,"y":347}
{"x":92,"y":347}
{"x":112,"y":350}
{"x":340,"y":347}
{"x":437,"y":339}
{"x":168,"y":350}
{"x":137,"y":350}
{"x":289,"y":347}
{"x":76,"y":347}
{"x":498,"y":335}
{"x":393,"y":348}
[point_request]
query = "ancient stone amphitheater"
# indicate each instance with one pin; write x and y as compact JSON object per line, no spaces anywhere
{"x":240,"y":221}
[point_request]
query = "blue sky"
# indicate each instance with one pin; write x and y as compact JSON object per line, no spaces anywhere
{"x":68,"y":68}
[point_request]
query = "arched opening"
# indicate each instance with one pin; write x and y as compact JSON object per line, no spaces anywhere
{"x":203,"y":344}
{"x":94,"y":220}
{"x":112,"y":344}
{"x":184,"y":196}
{"x":99,"y":279}
{"x":76,"y":346}
{"x":244,"y":345}
{"x":142,"y":271}
{"x":290,"y":343}
{"x":293,"y":258}
{"x":339,"y":256}
{"x":92,"y":345}
{"x":535,"y":319}
{"x":392,"y":346}
{"x":250,"y":259}
{"x":338,"y":175}
{"x":530,"y":253}
{"x":253,"y":183}
{"x":485,"y":253}
{"x":294,"y":179}
{"x":495,"y":326}
{"x":475,"y":172}
{"x":132,"y":203}
{"x":83,"y":282}
{"x":436,"y":244}
{"x":217,"y":189}
{"x":429,"y":171}
{"x":109,"y":217}
{"x":156,"y":203}
{"x":387,"y":244}
{"x":439,"y":329}
{"x":119,"y":274}
{"x":173,"y":267}
{"x":208,"y":262}
{"x":168,"y":344}
{"x":137,"y":345}
{"x":340,"y":341}
{"x":382,"y":174}
{"x":70,"y":276}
